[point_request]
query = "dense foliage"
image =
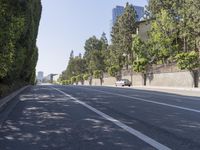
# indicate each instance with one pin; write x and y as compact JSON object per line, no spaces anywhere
{"x":189,"y":60}
{"x":175,"y":33}
{"x":91,"y":64}
{"x":19,"y":21}
{"x":174,"y":37}
{"x":113,"y":71}
{"x":122,"y":31}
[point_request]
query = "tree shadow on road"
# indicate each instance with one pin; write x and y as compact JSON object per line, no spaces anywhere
{"x":47,"y":120}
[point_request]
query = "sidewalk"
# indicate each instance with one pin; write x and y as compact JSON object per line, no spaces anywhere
{"x":173,"y":90}
{"x":168,"y":88}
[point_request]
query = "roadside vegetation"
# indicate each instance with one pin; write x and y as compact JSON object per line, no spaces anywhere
{"x":174,"y":37}
{"x":19,"y":21}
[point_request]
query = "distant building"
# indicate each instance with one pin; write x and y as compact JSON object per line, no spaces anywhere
{"x":140,"y":12}
{"x":55,"y":78}
{"x":50,"y":78}
{"x":47,"y":79}
{"x":118,"y":11}
{"x":40,"y":76}
{"x":143,"y":29}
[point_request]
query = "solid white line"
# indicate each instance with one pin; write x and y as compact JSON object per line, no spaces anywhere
{"x":166,"y":93}
{"x":148,"y":101}
{"x":132,"y":131}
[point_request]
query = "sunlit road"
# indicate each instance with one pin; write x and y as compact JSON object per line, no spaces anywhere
{"x":100,"y":118}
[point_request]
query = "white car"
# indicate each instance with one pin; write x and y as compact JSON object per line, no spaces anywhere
{"x":123,"y":82}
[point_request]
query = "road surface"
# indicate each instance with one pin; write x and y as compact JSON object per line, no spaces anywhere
{"x":99,"y":118}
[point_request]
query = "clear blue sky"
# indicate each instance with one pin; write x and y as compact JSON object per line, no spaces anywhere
{"x":66,"y":24}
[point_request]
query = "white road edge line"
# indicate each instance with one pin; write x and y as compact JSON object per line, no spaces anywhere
{"x":148,"y":101}
{"x":132,"y":131}
{"x":161,"y":93}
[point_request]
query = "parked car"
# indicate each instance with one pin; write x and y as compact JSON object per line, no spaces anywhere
{"x":123,"y":82}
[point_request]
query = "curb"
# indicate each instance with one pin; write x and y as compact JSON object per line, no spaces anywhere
{"x":158,"y":88}
{"x":166,"y":88}
{"x":150,"y":87}
{"x":4,"y":101}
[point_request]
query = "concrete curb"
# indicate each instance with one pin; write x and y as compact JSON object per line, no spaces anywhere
{"x":158,"y":88}
{"x":170,"y":90}
{"x":7,"y":99}
{"x":167,"y":88}
{"x":151,"y":88}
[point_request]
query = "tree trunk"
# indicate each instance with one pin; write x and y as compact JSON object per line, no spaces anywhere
{"x":101,"y":81}
{"x":82,"y":82}
{"x":195,"y":75}
{"x":127,"y":62}
{"x":131,"y":77}
{"x":90,"y":81}
{"x":144,"y":77}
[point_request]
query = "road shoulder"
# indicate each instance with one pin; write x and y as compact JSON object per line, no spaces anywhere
{"x":4,"y":101}
{"x":171,"y":90}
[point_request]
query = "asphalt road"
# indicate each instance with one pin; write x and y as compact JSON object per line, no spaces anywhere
{"x":99,"y":118}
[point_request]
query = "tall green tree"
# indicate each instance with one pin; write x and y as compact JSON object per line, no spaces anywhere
{"x":189,"y":61}
{"x":76,"y":66}
{"x":155,"y":6}
{"x":99,"y":75}
{"x":115,"y":51}
{"x":120,"y":50}
{"x":186,"y":21}
{"x":114,"y":71}
{"x":189,"y":22}
{"x":162,"y":38}
{"x":185,"y":15}
{"x":94,"y":54}
{"x":142,"y":57}
{"x":105,"y":52}
{"x":18,"y":32}
{"x":127,"y":27}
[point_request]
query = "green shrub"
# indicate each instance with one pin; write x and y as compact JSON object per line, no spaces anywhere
{"x":73,"y":80}
{"x":113,"y":71}
{"x":188,"y":60}
{"x":79,"y":78}
{"x":140,"y":65}
{"x":86,"y":76}
{"x":97,"y":73}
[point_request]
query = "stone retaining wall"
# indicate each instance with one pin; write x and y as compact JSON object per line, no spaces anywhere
{"x":175,"y":79}
{"x":157,"y":75}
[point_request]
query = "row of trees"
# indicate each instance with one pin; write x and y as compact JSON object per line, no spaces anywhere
{"x":174,"y":37}
{"x":100,"y":57}
{"x":93,"y":63}
{"x":18,"y":52}
{"x":175,"y":34}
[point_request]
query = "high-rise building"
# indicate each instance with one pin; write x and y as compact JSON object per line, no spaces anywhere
{"x":140,"y":12}
{"x":118,"y":11}
{"x":40,"y":76}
